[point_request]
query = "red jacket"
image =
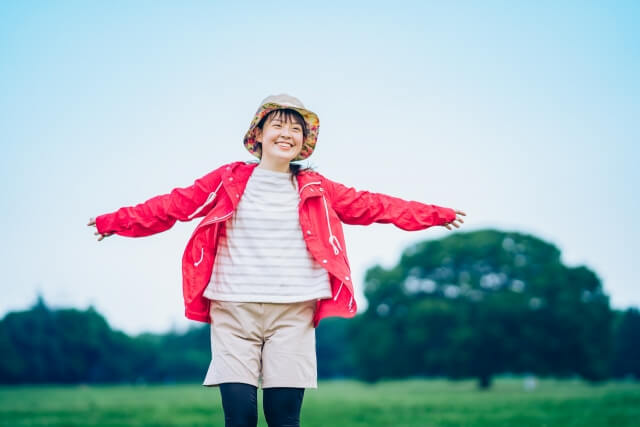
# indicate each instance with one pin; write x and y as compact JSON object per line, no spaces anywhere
{"x":324,"y":206}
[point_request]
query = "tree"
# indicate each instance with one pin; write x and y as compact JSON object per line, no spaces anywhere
{"x":480,"y":303}
{"x":333,"y":349}
{"x":626,"y":357}
{"x":66,"y":346}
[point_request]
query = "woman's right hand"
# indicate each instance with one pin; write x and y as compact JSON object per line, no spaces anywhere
{"x":454,"y":223}
{"x":92,"y":222}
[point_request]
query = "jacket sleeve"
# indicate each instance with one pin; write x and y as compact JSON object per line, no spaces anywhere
{"x":161,"y":212}
{"x":363,"y":208}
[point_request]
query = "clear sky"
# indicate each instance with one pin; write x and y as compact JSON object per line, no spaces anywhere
{"x":523,"y":114}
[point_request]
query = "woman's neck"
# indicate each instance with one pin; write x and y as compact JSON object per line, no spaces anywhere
{"x":275,"y":166}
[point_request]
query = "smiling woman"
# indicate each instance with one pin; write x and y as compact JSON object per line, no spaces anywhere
{"x":268,"y":261}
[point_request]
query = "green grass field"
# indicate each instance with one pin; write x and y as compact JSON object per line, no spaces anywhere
{"x":335,"y":403}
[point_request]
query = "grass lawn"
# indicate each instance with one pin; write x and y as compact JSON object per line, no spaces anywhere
{"x":335,"y":403}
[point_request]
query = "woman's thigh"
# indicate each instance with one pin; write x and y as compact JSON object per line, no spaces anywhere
{"x":289,"y":352}
{"x":236,"y":343}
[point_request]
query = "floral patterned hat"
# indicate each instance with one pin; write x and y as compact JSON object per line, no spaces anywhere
{"x":279,"y":102}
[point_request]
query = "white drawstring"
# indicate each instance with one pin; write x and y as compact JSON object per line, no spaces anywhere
{"x":338,"y":293}
{"x":350,"y":300}
{"x":195,"y":264}
{"x":215,"y":219}
{"x":209,"y":199}
{"x":333,"y":240}
{"x":309,"y":183}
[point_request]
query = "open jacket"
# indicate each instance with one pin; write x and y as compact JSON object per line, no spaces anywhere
{"x":324,"y":206}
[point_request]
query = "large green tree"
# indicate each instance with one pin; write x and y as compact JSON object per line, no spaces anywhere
{"x":481,"y":303}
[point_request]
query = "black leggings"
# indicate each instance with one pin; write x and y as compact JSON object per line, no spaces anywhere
{"x":240,"y":404}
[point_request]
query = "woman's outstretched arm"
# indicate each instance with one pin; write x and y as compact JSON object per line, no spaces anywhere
{"x":160,"y":212}
{"x":364,"y":207}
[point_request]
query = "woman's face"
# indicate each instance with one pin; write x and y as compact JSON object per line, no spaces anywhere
{"x":281,"y":138}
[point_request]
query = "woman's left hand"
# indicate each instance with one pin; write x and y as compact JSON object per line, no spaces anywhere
{"x":458,"y":219}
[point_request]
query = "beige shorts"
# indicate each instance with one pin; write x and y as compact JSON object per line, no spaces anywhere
{"x":267,"y":343}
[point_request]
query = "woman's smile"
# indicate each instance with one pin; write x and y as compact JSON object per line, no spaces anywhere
{"x":284,"y":145}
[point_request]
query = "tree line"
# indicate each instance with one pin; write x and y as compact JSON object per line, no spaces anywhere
{"x":470,"y":305}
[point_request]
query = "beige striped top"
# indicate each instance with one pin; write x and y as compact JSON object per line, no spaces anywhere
{"x":261,"y":255}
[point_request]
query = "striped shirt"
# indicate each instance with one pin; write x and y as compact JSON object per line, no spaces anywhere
{"x":262,"y":256}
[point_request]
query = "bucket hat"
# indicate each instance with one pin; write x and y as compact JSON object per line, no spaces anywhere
{"x":280,"y":102}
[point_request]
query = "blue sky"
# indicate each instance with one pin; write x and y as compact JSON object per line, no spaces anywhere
{"x":523,"y":114}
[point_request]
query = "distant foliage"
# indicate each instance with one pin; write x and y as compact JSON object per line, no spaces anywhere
{"x":42,"y":345}
{"x":469,"y":305}
{"x":65,"y":346}
{"x":626,"y":357}
{"x":334,"y":352}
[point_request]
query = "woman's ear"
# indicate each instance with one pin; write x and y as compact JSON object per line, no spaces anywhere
{"x":258,"y":135}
